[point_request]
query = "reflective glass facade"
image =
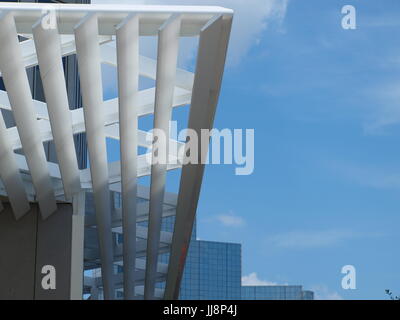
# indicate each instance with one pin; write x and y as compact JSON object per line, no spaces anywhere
{"x":212,"y":271}
{"x":276,"y":293}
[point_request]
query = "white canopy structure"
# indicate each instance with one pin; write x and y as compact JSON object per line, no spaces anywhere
{"x":87,"y":30}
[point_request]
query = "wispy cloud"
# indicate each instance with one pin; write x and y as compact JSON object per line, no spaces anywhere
{"x":230,"y":220}
{"x":316,"y":239}
{"x":322,"y":292}
{"x":253,"y":280}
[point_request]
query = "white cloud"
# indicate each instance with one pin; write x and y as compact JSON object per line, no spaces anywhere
{"x":251,"y":18}
{"x":315,"y":239}
{"x":230,"y":220}
{"x":253,"y":280}
{"x":321,"y":292}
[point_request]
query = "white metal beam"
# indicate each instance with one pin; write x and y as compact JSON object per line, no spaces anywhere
{"x":16,"y":83}
{"x":128,"y":88}
{"x":142,"y":210}
{"x":144,"y":138}
{"x":47,"y":42}
{"x":144,"y":193}
{"x":10,"y":175}
{"x":209,"y":70}
{"x":114,"y":180}
{"x":193,"y":17}
{"x":148,"y":67}
{"x":88,"y":53}
{"x":144,"y":169}
{"x":145,"y":107}
{"x":167,"y":56}
{"x":40,"y":107}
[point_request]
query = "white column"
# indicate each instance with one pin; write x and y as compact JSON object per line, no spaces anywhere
{"x":88,"y":51}
{"x":19,"y":94}
{"x":10,"y":175}
{"x":48,"y":49}
{"x":213,"y":44}
{"x":168,"y":45}
{"x":128,"y":87}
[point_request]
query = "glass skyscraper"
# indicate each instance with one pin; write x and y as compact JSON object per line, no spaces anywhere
{"x":213,"y":271}
{"x":276,"y":293}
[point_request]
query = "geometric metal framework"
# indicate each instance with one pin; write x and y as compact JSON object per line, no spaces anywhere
{"x":88,"y":30}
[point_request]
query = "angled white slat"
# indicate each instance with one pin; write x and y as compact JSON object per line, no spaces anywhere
{"x":128,"y":87}
{"x":47,"y":42}
{"x":92,"y":252}
{"x":67,"y":48}
{"x":168,"y":45}
{"x":148,"y":67}
{"x":144,"y":138}
{"x":111,"y":115}
{"x":114,"y":169}
{"x":16,"y":83}
{"x":142,"y":210}
{"x":144,"y":193}
{"x":28,"y":50}
{"x":88,"y":53}
{"x":209,"y":70}
{"x":10,"y":175}
{"x":142,"y":233}
{"x":40,"y":107}
{"x":145,"y":106}
{"x":144,"y":169}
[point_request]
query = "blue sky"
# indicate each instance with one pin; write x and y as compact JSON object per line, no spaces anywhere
{"x":325,"y":106}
